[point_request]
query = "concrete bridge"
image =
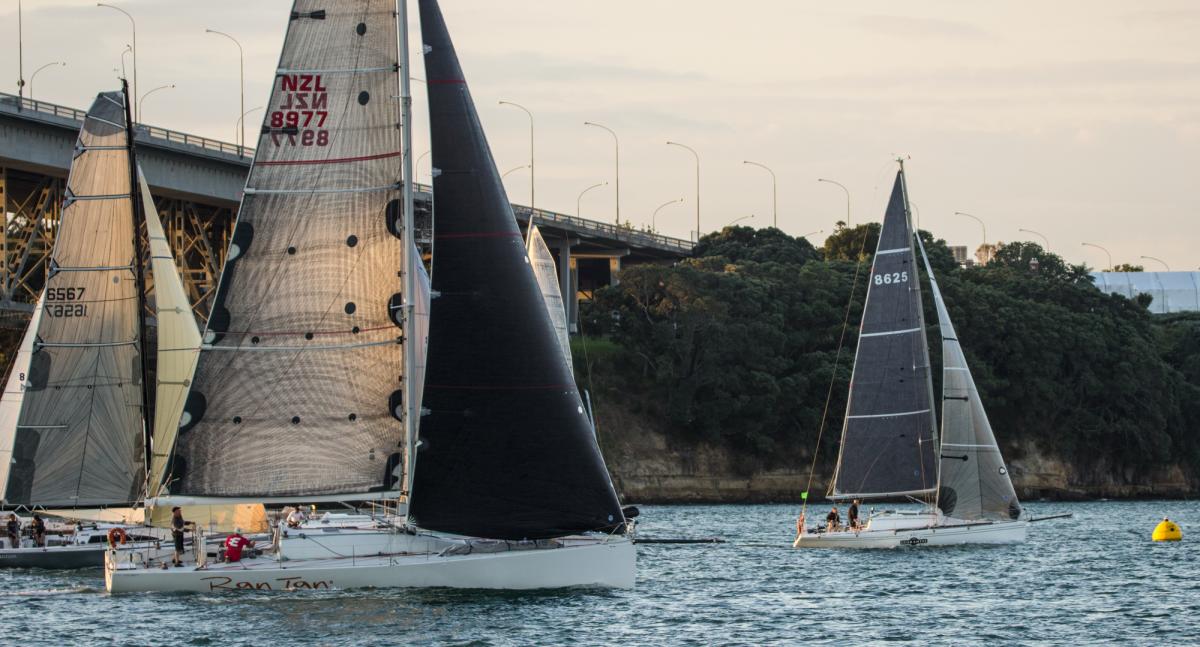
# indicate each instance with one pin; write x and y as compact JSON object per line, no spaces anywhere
{"x":197,"y":184}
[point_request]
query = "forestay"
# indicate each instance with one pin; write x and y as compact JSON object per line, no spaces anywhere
{"x":80,"y":436}
{"x":506,"y":448}
{"x":546,"y":273}
{"x":299,"y":384}
{"x":974,"y":481}
{"x":888,"y":440}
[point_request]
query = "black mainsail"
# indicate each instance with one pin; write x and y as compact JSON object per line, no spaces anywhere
{"x":888,"y":438}
{"x":298,"y":388}
{"x":80,"y":436}
{"x":506,"y":448}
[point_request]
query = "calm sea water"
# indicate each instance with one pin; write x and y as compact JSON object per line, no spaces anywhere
{"x":1093,"y":579}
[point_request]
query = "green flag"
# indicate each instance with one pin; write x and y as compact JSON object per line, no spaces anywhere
{"x":804,"y":495}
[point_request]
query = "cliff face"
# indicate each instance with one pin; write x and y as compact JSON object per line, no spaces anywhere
{"x":649,"y":468}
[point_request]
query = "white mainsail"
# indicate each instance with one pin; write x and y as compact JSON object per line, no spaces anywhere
{"x":547,"y":278}
{"x":14,"y":394}
{"x":178,"y":343}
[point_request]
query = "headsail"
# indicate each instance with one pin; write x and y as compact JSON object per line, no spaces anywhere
{"x":178,"y":343}
{"x":974,"y":481}
{"x":80,"y":437}
{"x":506,"y":448}
{"x":298,"y":384}
{"x":546,"y":274}
{"x":14,"y":393}
{"x":888,"y":437}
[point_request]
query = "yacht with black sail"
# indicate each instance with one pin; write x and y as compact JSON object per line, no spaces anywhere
{"x":890,"y":446}
{"x":309,"y":385}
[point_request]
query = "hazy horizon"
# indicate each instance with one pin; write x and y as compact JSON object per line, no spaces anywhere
{"x":1079,"y":120}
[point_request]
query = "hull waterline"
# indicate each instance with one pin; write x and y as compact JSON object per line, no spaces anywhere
{"x":998,"y":533}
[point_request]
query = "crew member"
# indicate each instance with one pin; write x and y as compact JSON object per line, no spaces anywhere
{"x":39,"y":531}
{"x":177,"y":532}
{"x":852,"y":515}
{"x":14,"y":531}
{"x":296,"y":518}
{"x":833,"y":520}
{"x":234,"y":544}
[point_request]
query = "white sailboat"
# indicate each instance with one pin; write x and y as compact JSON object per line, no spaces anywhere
{"x":890,"y":443}
{"x":309,"y":386}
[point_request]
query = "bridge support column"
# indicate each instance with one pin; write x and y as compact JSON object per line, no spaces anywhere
{"x":565,"y":284}
{"x":614,"y":270}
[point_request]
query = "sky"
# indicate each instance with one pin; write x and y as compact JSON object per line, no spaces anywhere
{"x":1077,"y":119}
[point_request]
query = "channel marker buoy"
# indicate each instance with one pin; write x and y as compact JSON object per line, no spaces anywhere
{"x":1167,"y":530}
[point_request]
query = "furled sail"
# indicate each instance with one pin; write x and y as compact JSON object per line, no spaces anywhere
{"x":298,"y":384}
{"x":420,"y":326}
{"x":546,"y":273}
{"x":80,"y":437}
{"x":974,"y":481}
{"x":178,"y":342}
{"x":506,"y":449}
{"x":888,"y":436}
{"x":14,"y":394}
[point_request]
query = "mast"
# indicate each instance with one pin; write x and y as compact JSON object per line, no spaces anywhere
{"x":412,"y":405}
{"x":139,"y":216}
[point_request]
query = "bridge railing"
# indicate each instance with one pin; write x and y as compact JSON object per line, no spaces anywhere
{"x":618,"y":232}
{"x":47,"y":108}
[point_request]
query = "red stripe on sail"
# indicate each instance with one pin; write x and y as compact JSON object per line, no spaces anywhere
{"x":339,"y":160}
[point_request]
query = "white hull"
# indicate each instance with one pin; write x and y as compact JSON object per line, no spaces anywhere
{"x":1001,"y":532}
{"x":602,"y":562}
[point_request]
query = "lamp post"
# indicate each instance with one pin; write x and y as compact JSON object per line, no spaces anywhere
{"x":242,"y":77}
{"x":697,"y":156}
{"x":515,"y":168}
{"x":418,"y":164}
{"x":133,"y":25}
{"x":812,"y":233}
{"x":1035,"y":233}
{"x":21,"y":58}
{"x":579,"y":200}
{"x":654,"y":216}
{"x":128,"y":49}
{"x":1157,"y":260}
{"x":531,"y":167}
{"x":143,"y":99}
{"x":1111,"y":267}
{"x":847,"y":197}
{"x":978,"y":220}
{"x":737,"y":220}
{"x":35,"y":73}
{"x":242,"y":120}
{"x":617,"y":157}
{"x":774,"y":192}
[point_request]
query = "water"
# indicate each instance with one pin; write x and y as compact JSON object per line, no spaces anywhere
{"x":1094,"y":579}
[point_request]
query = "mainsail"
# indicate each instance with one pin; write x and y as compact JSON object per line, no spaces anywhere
{"x":79,"y":440}
{"x":546,"y":274}
{"x":974,"y":481}
{"x":506,"y":448}
{"x":178,"y":343}
{"x":297,"y":391}
{"x":888,"y":439}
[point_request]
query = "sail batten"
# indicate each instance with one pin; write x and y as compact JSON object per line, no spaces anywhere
{"x":501,"y":456}
{"x":888,"y":443}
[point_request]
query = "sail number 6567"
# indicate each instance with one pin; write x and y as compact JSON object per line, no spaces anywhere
{"x":889,"y":278}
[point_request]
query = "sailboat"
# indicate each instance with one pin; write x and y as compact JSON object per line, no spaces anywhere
{"x":309,"y":384}
{"x":890,"y":445}
{"x":72,"y":418}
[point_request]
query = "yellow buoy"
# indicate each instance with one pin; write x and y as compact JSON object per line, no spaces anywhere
{"x":1167,"y":530}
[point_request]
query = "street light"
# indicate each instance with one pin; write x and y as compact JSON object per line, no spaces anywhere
{"x":697,"y":156}
{"x":517,"y":168}
{"x":418,"y":164}
{"x":978,"y":220}
{"x":660,"y":208}
{"x":1158,"y":260}
{"x":813,"y":233}
{"x":1111,"y":267}
{"x":35,"y":73}
{"x":617,"y":173}
{"x":847,"y":197}
{"x":132,"y":25}
{"x":531,"y":167}
{"x":143,"y":99}
{"x":737,"y":220}
{"x":242,"y":119}
{"x":128,"y":49}
{"x":242,"y":76}
{"x":774,"y":191}
{"x":1044,"y":239}
{"x":578,"y":200}
{"x":21,"y":58}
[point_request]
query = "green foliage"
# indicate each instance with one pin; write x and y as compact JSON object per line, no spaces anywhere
{"x":738,"y":346}
{"x":1126,"y":267}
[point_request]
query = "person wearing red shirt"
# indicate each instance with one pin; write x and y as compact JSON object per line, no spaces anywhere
{"x":235,"y":544}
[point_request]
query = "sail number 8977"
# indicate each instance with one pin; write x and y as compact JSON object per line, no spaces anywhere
{"x":63,"y":302}
{"x":889,"y":278}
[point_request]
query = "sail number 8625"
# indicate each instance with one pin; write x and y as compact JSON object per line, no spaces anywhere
{"x":889,"y":278}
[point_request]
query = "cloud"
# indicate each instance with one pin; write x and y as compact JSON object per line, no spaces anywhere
{"x":916,"y":27}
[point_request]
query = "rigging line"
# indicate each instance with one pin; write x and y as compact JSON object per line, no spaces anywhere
{"x":836,"y":364}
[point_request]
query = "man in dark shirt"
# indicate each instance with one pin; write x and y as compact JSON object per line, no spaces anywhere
{"x":177,"y":532}
{"x":833,"y":520}
{"x":39,"y":531}
{"x":14,"y":531}
{"x":852,"y":515}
